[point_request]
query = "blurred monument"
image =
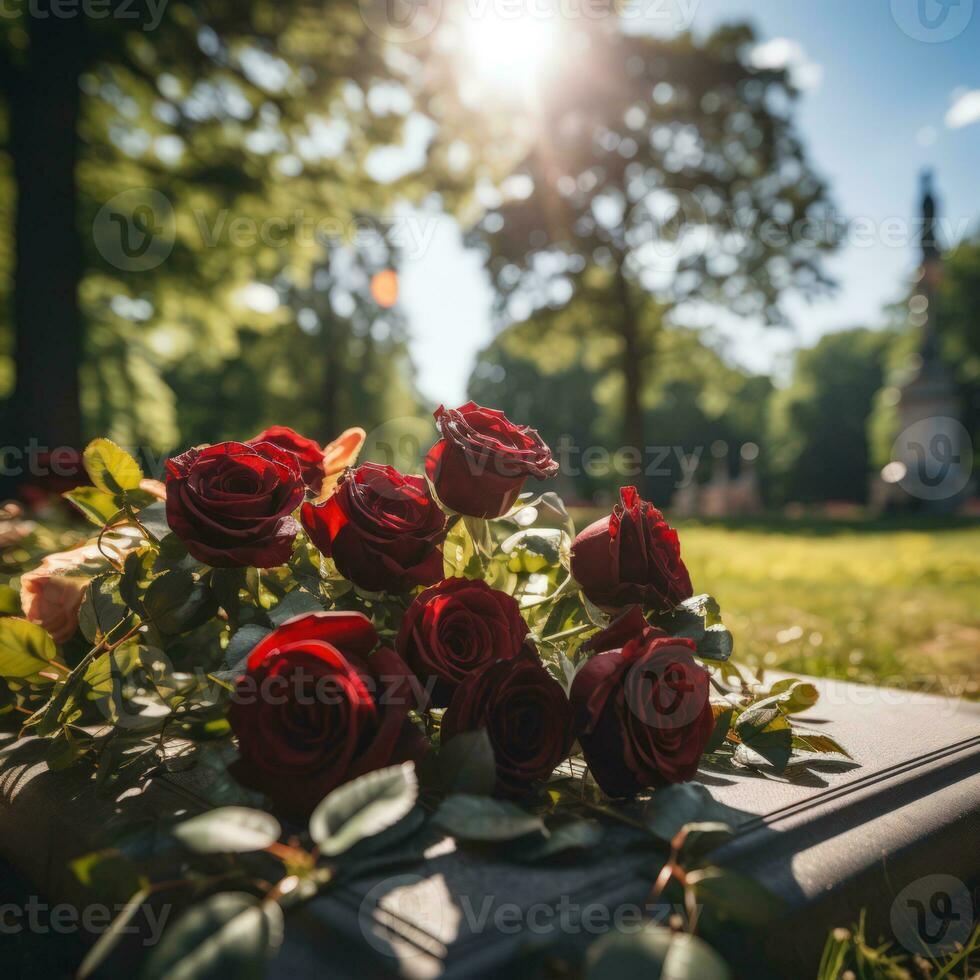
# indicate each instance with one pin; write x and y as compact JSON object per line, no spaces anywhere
{"x":930,"y":459}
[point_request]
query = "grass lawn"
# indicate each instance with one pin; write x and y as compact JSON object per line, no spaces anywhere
{"x":893,"y":605}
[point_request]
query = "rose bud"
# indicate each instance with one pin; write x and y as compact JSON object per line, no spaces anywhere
{"x":316,"y":708}
{"x":480,"y":464}
{"x":526,"y":715}
{"x":52,"y":593}
{"x":52,"y":600}
{"x":382,"y":529}
{"x":642,"y":714}
{"x":631,"y":556}
{"x":455,"y":628}
{"x":231,"y":503}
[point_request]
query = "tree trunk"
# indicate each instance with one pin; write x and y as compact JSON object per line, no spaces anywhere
{"x":45,"y":411}
{"x":634,"y":434}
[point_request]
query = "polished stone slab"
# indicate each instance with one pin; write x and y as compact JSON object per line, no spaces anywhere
{"x":828,"y":845}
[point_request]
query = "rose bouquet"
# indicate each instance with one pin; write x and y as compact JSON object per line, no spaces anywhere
{"x":351,"y":646}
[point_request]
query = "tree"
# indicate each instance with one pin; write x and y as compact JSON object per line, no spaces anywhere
{"x":818,"y":425}
{"x":672,"y":169}
{"x":572,"y":387}
{"x":233,"y":129}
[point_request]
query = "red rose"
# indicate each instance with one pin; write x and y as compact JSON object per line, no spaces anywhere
{"x":231,"y":504}
{"x":455,"y":628}
{"x":308,"y":452}
{"x":316,"y":708}
{"x":526,"y":714}
{"x":382,"y":529}
{"x":642,"y":714}
{"x":480,"y":464}
{"x":631,"y":556}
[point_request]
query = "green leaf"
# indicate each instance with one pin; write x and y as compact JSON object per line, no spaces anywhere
{"x":793,"y":696}
{"x":466,"y":764}
{"x":154,"y":518}
{"x":459,"y":555}
{"x":482,"y":818}
{"x":734,"y":896}
{"x":176,"y":601}
{"x":723,"y":722}
{"x":294,"y":603}
{"x":243,"y":641}
{"x":111,"y":469}
{"x":25,"y":650}
{"x":672,"y":807}
{"x":654,"y":953}
{"x":763,"y":728}
{"x":575,"y":835}
{"x":364,"y":807}
{"x":770,"y":749}
{"x":699,"y":838}
{"x":228,"y":935}
{"x":109,"y":939}
{"x":232,"y":829}
{"x":818,"y":742}
{"x":698,"y":619}
{"x":103,"y":608}
{"x":9,"y":601}
{"x":534,"y":549}
{"x":97,"y":505}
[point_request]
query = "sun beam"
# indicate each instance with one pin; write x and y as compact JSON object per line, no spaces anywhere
{"x":509,"y":53}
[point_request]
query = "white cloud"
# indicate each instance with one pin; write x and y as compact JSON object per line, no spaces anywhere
{"x":783,"y":52}
{"x":965,"y":108}
{"x":926,"y":136}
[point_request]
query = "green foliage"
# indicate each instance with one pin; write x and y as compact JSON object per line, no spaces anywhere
{"x":654,"y":952}
{"x":485,"y":819}
{"x":571,"y":387}
{"x":26,"y":651}
{"x":363,"y":808}
{"x":228,"y":829}
{"x":228,"y":934}
{"x":818,"y":443}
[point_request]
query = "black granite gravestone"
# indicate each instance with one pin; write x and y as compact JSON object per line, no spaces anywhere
{"x":887,"y":836}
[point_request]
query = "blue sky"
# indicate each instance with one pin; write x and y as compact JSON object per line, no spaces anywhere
{"x":883,"y":98}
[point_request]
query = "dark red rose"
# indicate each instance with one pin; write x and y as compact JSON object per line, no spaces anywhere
{"x":526,"y":715}
{"x":382,"y":529}
{"x":480,"y":464}
{"x":308,"y":452}
{"x":642,"y":714}
{"x":316,"y":708}
{"x":231,"y":504}
{"x":455,"y":628}
{"x":631,"y":556}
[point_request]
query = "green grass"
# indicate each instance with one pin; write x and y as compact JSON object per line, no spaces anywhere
{"x":882,"y":604}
